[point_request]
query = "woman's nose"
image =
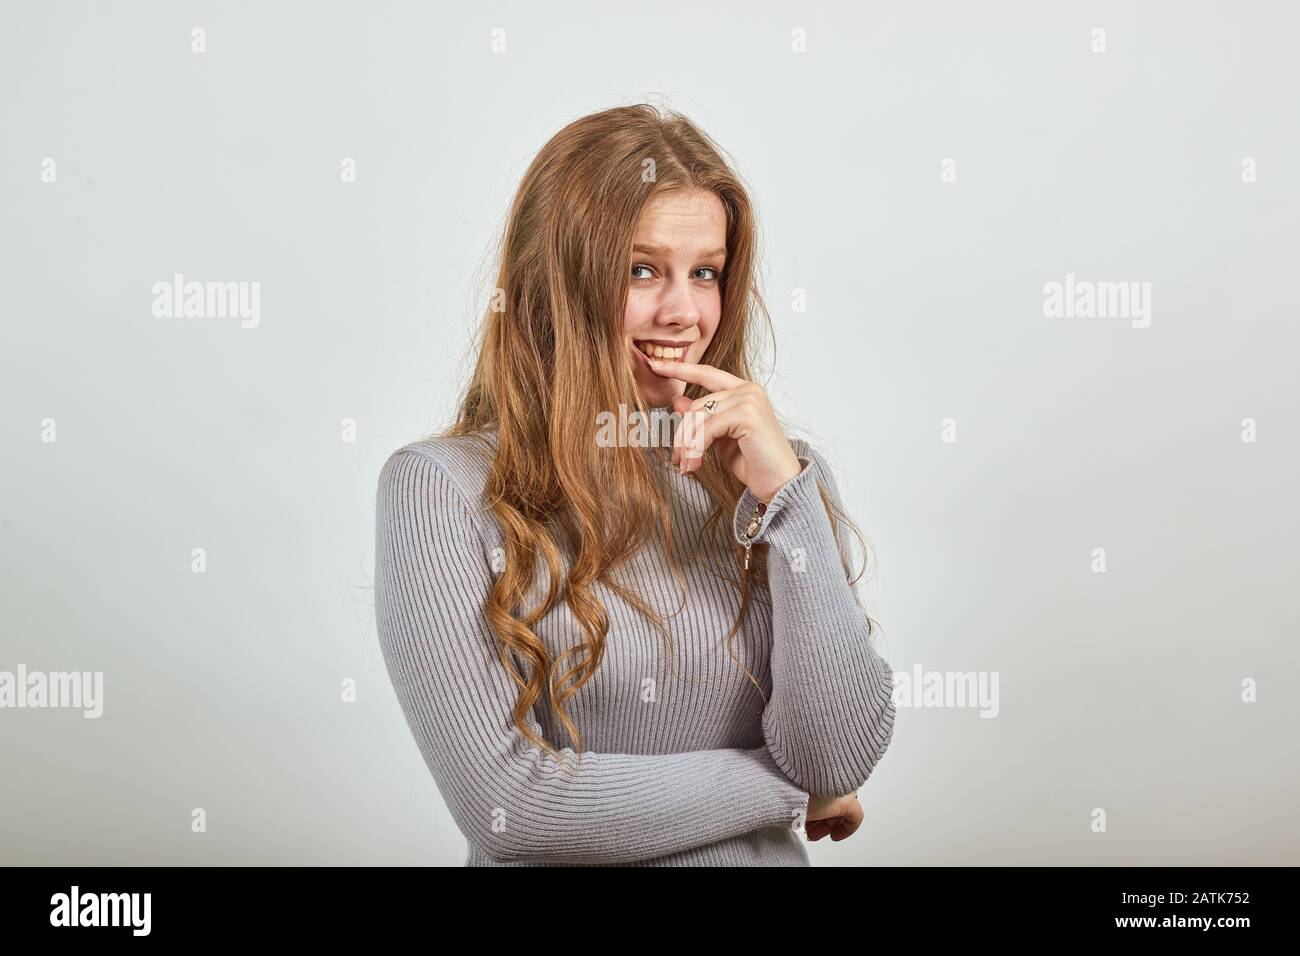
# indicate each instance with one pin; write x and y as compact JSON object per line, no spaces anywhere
{"x":678,"y":306}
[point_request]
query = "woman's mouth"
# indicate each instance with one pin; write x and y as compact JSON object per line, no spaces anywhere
{"x":652,"y":350}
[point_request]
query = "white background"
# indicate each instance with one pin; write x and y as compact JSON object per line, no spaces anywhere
{"x":1118,"y":691}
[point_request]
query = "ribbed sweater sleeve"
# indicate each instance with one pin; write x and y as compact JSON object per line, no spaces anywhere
{"x":511,"y":798}
{"x":831,"y":712}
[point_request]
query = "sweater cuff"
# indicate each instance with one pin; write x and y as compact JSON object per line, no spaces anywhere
{"x":785,"y":802}
{"x":749,"y":509}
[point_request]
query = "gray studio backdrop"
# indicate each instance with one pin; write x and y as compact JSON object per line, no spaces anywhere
{"x":1031,"y":268}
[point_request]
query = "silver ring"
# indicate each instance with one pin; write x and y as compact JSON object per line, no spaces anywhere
{"x":709,"y":406}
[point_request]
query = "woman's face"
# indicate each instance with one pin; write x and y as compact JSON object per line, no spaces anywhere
{"x":674,"y":292}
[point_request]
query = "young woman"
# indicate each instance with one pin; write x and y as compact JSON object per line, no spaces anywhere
{"x":622,"y":652}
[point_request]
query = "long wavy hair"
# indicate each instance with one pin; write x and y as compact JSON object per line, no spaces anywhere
{"x":550,"y":357}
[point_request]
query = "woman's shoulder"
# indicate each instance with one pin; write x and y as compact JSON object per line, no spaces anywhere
{"x":463,"y":460}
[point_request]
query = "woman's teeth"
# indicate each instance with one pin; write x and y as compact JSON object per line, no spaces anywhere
{"x":658,"y":351}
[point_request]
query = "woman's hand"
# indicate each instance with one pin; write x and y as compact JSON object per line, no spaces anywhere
{"x":838,"y":817}
{"x":743,"y":429}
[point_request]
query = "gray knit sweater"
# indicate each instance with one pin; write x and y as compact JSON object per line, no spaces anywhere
{"x":677,"y":769}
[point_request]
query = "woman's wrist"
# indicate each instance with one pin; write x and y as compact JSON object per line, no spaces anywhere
{"x":766,"y":494}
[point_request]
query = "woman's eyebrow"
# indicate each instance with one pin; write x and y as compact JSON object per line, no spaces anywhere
{"x":664,"y":250}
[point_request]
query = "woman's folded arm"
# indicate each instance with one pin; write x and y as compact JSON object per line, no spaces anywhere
{"x":831,"y":713}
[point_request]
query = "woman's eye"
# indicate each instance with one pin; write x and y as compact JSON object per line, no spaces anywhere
{"x":714,"y":274}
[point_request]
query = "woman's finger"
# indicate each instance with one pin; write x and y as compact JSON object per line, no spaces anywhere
{"x":729,"y":422}
{"x":700,"y":430}
{"x":714,"y":379}
{"x":695,"y":413}
{"x":816,"y":829}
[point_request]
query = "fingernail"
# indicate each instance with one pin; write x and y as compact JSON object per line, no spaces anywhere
{"x":656,"y":362}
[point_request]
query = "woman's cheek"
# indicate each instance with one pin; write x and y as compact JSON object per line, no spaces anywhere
{"x":635,"y":313}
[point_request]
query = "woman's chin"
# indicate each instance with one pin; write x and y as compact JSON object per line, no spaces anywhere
{"x":657,"y":392}
{"x":659,"y":397}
